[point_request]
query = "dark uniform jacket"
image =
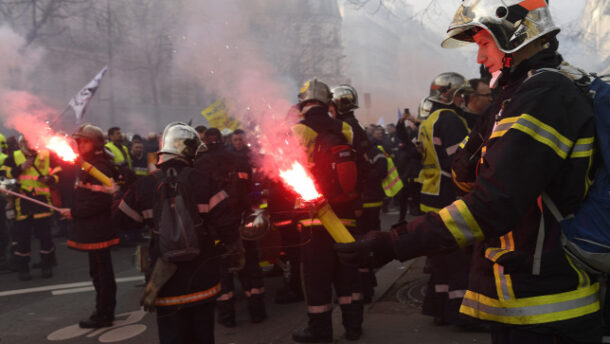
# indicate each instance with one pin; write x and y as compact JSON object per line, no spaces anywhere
{"x":91,"y":209}
{"x":441,"y":133}
{"x":198,"y":280}
{"x":542,"y":142}
{"x":377,"y":170}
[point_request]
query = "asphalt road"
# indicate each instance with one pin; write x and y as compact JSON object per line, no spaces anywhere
{"x":48,"y":310}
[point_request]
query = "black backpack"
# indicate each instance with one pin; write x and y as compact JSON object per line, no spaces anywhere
{"x":176,"y":217}
{"x":335,"y":170}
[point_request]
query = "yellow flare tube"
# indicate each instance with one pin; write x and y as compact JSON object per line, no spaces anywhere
{"x":332,"y":223}
{"x":95,"y":173}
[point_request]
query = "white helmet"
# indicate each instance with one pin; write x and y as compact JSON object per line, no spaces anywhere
{"x":445,"y":86}
{"x":512,"y":23}
{"x":180,"y":139}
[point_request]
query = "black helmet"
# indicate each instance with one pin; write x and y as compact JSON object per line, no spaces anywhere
{"x":91,"y":132}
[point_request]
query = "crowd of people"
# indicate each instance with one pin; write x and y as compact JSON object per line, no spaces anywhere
{"x":471,"y":165}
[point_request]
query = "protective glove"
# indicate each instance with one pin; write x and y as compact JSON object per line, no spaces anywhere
{"x":162,"y":272}
{"x":373,"y":250}
{"x":48,"y":180}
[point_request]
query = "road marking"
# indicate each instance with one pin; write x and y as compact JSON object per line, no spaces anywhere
{"x":72,"y":290}
{"x":64,"y":286}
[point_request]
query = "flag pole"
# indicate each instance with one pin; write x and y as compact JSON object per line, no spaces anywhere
{"x":58,"y":117}
{"x":16,"y":194}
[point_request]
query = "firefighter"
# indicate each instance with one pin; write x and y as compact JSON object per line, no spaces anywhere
{"x":139,"y":160}
{"x":4,"y":236}
{"x":36,"y":171}
{"x":234,"y":173}
{"x":185,"y":301}
{"x":92,"y":230}
{"x":320,"y":265}
{"x":441,"y":133}
{"x":408,"y":163}
{"x":540,"y":141}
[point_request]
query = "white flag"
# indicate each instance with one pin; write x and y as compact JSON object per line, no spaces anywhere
{"x":81,"y":99}
{"x":381,"y":121}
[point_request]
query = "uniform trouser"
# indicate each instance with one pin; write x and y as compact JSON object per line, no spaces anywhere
{"x":187,"y":325}
{"x":409,"y":198}
{"x":368,"y":221}
{"x":251,"y":276}
{"x":4,"y":237}
{"x":102,"y":273}
{"x":22,"y":235}
{"x":512,"y":335}
{"x":322,"y":269}
{"x":291,"y":246}
{"x":447,"y":285}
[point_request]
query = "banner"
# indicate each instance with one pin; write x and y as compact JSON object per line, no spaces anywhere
{"x":81,"y":99}
{"x":218,"y":116}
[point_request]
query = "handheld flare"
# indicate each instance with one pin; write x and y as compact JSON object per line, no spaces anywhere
{"x":95,"y":173}
{"x":331,"y":222}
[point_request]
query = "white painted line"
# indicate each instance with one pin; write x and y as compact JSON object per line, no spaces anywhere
{"x":64,"y":286}
{"x":72,"y":290}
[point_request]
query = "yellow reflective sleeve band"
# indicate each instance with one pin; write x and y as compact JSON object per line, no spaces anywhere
{"x":372,"y":205}
{"x":460,"y":222}
{"x":533,"y":310}
{"x":544,"y":133}
{"x":347,"y":131}
{"x":464,"y":142}
{"x":464,"y":186}
{"x":583,"y":148}
{"x":427,"y":209}
{"x":503,"y":127}
{"x":494,"y":253}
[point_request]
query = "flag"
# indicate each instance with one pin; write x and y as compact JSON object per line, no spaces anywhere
{"x":218,"y":116}
{"x":81,"y":99}
{"x":399,"y":113}
{"x":381,"y":122}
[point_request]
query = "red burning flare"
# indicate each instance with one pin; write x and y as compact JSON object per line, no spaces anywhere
{"x":61,"y":146}
{"x":298,"y":179}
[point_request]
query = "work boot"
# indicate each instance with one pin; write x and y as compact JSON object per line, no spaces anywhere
{"x":97,"y":321}
{"x":318,"y":330}
{"x":46,"y":261}
{"x":226,"y":312}
{"x":256,"y":307}
{"x":352,"y":319}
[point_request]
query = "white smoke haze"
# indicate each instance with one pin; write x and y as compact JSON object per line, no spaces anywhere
{"x":20,"y":109}
{"x":168,"y":60}
{"x":218,"y":48}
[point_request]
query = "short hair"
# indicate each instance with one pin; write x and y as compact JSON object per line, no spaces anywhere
{"x":201,"y":129}
{"x":238,"y":132}
{"x":137,"y":139}
{"x":113,"y":130}
{"x":474,"y":83}
{"x":212,"y":135}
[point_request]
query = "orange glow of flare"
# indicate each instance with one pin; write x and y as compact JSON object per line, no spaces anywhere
{"x":298,"y":179}
{"x":60,"y":145}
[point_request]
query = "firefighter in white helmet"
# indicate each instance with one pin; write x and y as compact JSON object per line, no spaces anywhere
{"x":541,"y":143}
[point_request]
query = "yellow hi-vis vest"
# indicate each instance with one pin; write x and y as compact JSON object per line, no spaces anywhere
{"x":392,"y":184}
{"x":28,"y":181}
{"x":120,"y":154}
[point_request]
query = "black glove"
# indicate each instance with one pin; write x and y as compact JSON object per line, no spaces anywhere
{"x":48,"y":180}
{"x":373,"y":250}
